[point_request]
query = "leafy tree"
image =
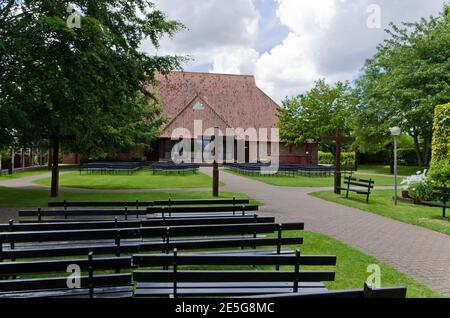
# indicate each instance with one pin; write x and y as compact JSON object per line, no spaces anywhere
{"x":82,"y":87}
{"x":315,"y":114}
{"x":404,"y":81}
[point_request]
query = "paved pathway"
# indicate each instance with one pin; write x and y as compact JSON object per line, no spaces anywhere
{"x":421,"y":253}
{"x":418,"y":252}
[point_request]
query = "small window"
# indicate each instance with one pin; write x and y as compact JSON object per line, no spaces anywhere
{"x":199,"y":106}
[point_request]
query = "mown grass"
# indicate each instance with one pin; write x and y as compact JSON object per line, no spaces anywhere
{"x":313,"y":181}
{"x":10,"y":198}
{"x":381,"y":203}
{"x":143,"y":179}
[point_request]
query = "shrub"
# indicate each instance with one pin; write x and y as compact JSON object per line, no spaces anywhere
{"x":440,"y":172}
{"x":420,"y":186}
{"x":327,"y":158}
{"x":441,"y":134}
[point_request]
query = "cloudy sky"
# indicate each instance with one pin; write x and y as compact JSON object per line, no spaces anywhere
{"x":286,"y":44}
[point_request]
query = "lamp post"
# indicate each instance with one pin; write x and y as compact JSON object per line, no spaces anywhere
{"x":395,"y":132}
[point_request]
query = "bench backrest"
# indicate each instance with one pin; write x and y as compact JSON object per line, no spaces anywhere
{"x":137,"y":203}
{"x":203,"y":276}
{"x":75,"y":225}
{"x":146,"y":232}
{"x":238,"y":209}
{"x":349,"y":180}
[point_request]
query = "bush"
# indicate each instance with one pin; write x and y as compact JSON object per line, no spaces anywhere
{"x":420,"y":186}
{"x":441,"y":134}
{"x":406,"y":157}
{"x":327,"y":158}
{"x":440,"y":172}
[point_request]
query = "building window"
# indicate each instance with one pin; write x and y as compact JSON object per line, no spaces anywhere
{"x":199,"y":106}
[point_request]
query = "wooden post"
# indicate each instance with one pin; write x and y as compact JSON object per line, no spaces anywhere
{"x":55,"y":168}
{"x":339,"y":139}
{"x":11,"y":162}
{"x":216,"y":165}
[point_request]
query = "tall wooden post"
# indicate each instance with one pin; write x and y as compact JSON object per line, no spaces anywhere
{"x":11,"y":162}
{"x":55,"y":168}
{"x":216,"y":164}
{"x":339,"y":139}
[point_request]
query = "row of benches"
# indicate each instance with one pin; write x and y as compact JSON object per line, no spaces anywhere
{"x":210,"y":236}
{"x":171,"y":168}
{"x":284,"y":169}
{"x":110,"y":167}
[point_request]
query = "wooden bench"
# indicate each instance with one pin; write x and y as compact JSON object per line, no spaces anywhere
{"x":118,"y":241}
{"x":364,"y":187}
{"x":195,"y":211}
{"x":180,"y":282}
{"x":126,"y":214}
{"x":367,"y":292}
{"x":443,"y":194}
{"x":92,"y":286}
{"x":116,"y":224}
{"x":137,"y":204}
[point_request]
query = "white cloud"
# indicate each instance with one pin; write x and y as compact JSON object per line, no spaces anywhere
{"x":325,"y":38}
{"x":213,"y":28}
{"x":236,"y":61}
{"x":328,"y":38}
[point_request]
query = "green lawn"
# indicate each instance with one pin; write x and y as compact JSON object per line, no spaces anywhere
{"x":374,"y":169}
{"x":143,"y":179}
{"x":381,"y":203}
{"x":22,"y":174}
{"x":306,"y":182}
{"x":31,"y":172}
{"x":10,"y":198}
{"x":351,"y":269}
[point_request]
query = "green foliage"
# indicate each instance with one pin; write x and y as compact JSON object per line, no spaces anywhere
{"x":88,"y":83}
{"x":347,"y":158}
{"x":440,"y":172}
{"x":403,"y":82}
{"x":423,"y":191}
{"x":315,"y":114}
{"x":441,"y":134}
{"x":407,"y":157}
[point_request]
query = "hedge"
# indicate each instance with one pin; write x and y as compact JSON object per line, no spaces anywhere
{"x":406,"y":157}
{"x":327,"y":158}
{"x":441,"y":134}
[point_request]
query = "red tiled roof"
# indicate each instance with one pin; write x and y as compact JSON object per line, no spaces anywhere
{"x":231,"y":101}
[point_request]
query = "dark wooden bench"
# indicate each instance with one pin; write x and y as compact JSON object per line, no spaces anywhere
{"x":442,"y":194}
{"x":360,"y":186}
{"x":116,"y":224}
{"x":118,"y":241}
{"x":188,"y":211}
{"x":366,"y":293}
{"x":193,"y":211}
{"x":92,"y":286}
{"x":180,"y":282}
{"x":137,"y":204}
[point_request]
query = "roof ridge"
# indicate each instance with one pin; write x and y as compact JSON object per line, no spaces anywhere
{"x":209,"y":73}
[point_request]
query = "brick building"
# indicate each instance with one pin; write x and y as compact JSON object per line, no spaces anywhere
{"x":217,"y":100}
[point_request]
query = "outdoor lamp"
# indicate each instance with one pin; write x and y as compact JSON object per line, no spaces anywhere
{"x":395,"y":132}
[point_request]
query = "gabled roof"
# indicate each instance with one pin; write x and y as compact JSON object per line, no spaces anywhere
{"x":231,"y":101}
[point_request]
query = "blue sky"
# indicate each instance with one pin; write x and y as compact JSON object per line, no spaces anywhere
{"x":286,"y":44}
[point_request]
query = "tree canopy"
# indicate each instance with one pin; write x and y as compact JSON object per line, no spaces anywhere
{"x":86,"y":85}
{"x":316,"y":113}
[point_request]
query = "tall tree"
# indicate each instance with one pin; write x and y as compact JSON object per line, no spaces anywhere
{"x":82,"y":85}
{"x":404,"y":81}
{"x":316,"y":113}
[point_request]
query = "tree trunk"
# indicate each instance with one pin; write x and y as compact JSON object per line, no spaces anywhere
{"x":55,"y":168}
{"x":426,"y":153}
{"x":11,"y":162}
{"x":418,"y":152}
{"x":50,"y":157}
